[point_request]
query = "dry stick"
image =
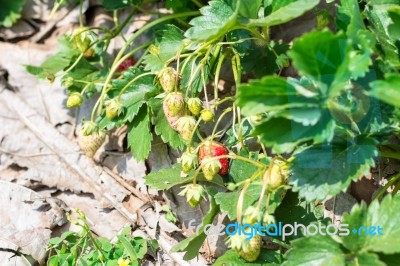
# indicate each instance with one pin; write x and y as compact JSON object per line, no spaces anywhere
{"x":132,"y":189}
{"x":53,"y":139}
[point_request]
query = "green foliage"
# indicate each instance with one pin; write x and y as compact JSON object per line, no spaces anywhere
{"x":218,"y":18}
{"x":327,"y":169}
{"x":267,"y":258}
{"x":169,"y":41}
{"x":354,"y":249}
{"x":139,"y":134}
{"x":83,"y":248}
{"x":310,"y":114}
{"x":10,"y":12}
{"x":192,"y":244}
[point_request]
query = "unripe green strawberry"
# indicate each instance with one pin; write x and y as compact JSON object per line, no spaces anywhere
{"x":207,"y":115}
{"x":188,"y":160}
{"x":75,"y":99}
{"x":175,"y":103}
{"x":185,"y":127}
{"x":90,"y":144}
{"x":268,"y":219}
{"x":168,"y":78}
{"x":68,"y":82}
{"x":277,"y":175}
{"x":50,"y":77}
{"x":89,"y":127}
{"x":252,"y":215}
{"x":113,"y":108}
{"x":81,"y":39}
{"x":251,"y":250}
{"x":195,"y":105}
{"x":171,"y":119}
{"x":247,"y":249}
{"x":193,"y":194}
{"x":210,"y":167}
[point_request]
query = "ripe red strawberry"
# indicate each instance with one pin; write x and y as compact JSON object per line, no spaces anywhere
{"x":213,"y":148}
{"x":127,"y":63}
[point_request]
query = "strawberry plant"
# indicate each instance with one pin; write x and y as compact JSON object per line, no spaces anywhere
{"x":84,"y":248}
{"x":307,"y":115}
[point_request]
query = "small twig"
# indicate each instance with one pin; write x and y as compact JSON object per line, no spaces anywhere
{"x":132,"y":189}
{"x":26,"y":154}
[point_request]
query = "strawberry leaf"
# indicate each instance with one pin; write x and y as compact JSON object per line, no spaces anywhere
{"x":380,"y":18}
{"x":330,"y":59}
{"x":327,"y":169}
{"x":267,"y":257}
{"x":387,"y":90}
{"x":354,"y":248}
{"x":172,"y":177}
{"x":296,"y":210}
{"x":315,"y":250}
{"x":283,"y":14}
{"x":10,"y":12}
{"x":139,"y":134}
{"x":271,"y":94}
{"x":283,"y":135}
{"x":228,"y":200}
{"x":386,"y":215}
{"x":135,"y":94}
{"x":192,"y":244}
{"x":57,"y":62}
{"x":166,"y":46}
{"x":217,"y":19}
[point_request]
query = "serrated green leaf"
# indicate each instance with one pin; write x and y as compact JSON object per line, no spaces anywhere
{"x":136,"y":94}
{"x":228,"y":200}
{"x":386,"y":215}
{"x":387,"y":90}
{"x":283,"y":135}
{"x":270,"y":94}
{"x":10,"y":12}
{"x":377,"y":13}
{"x":62,"y":59}
{"x":314,"y":251}
{"x":267,"y":257}
{"x":139,"y":134}
{"x":296,"y":210}
{"x":366,"y":259}
{"x":249,"y":8}
{"x":284,"y":14}
{"x":163,"y":128}
{"x":327,"y":169}
{"x":167,"y":178}
{"x":240,"y":170}
{"x":216,"y":20}
{"x":192,"y":244}
{"x":349,"y":17}
{"x":167,"y":45}
{"x":318,"y":55}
